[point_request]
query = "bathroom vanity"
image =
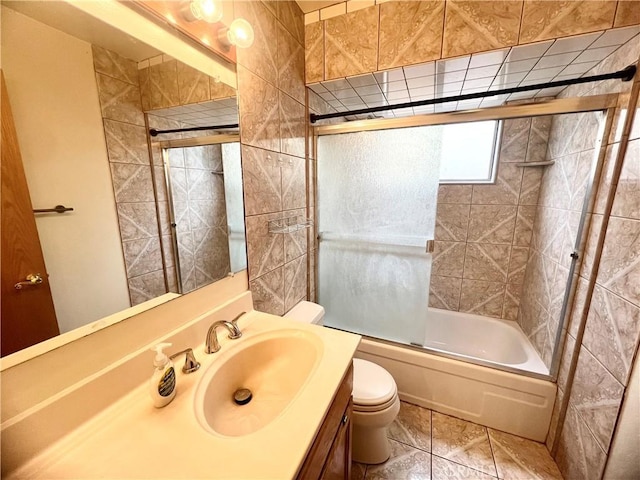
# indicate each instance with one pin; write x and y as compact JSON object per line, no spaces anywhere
{"x":297,"y":425}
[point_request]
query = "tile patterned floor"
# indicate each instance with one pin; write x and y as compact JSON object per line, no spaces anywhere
{"x":428,"y":445}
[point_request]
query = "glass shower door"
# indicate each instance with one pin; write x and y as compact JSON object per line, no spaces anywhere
{"x":377,"y":196}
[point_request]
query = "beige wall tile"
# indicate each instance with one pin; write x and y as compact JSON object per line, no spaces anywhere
{"x":137,"y":220}
{"x":452,"y":222}
{"x":628,"y":13}
{"x":524,"y":225}
{"x":146,"y":287}
{"x":596,"y":396}
{"x":620,"y":264}
{"x":295,"y":244}
{"x":486,"y":262}
{"x":293,"y":121}
{"x":513,"y":144}
{"x":477,"y":26}
{"x":268,"y":292}
{"x":627,"y":201}
{"x":454,"y":194}
{"x":119,"y":100}
{"x":579,"y":455}
{"x":444,"y":292}
{"x":612,"y":331}
{"x":142,"y":256}
{"x":314,"y":52}
{"x":132,"y":183}
{"x":293,"y":182}
{"x":448,"y":259}
{"x":113,"y":65}
{"x":289,"y":13}
{"x":295,"y":282}
{"x":163,"y":85}
{"x":220,"y":90}
{"x":265,"y":251}
{"x":126,"y":143}
{"x":290,"y":65}
{"x":193,"y":85}
{"x":261,"y":178}
{"x":505,"y":191}
{"x":492,"y":224}
{"x":482,"y":298}
{"x":517,"y":264}
{"x":259,"y":112}
{"x":261,"y":57}
{"x":410,"y":32}
{"x":511,"y":301}
{"x":351,"y":43}
{"x":544,"y":19}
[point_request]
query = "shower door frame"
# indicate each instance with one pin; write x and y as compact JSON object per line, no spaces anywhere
{"x":595,"y":103}
{"x":165,"y":146}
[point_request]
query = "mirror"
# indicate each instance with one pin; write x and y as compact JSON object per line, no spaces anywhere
{"x":148,"y":217}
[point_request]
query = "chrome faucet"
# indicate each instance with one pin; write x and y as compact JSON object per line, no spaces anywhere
{"x":212,"y":345}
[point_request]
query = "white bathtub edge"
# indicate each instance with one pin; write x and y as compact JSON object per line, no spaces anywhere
{"x":504,"y":401}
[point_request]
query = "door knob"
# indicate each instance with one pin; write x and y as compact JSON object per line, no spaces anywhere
{"x":32,"y":280}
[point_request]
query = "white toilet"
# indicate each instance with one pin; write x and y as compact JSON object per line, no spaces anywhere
{"x":375,"y":398}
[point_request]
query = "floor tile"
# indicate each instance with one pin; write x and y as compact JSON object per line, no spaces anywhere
{"x":519,"y":458}
{"x":462,"y":442}
{"x":405,"y":463}
{"x":358,"y":471}
{"x":442,"y":469}
{"x":412,"y":426}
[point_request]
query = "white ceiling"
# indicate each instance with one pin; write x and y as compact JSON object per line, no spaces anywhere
{"x":214,"y":112}
{"x":542,"y":62}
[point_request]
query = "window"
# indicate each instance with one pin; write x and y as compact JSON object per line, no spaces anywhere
{"x":468,"y":152}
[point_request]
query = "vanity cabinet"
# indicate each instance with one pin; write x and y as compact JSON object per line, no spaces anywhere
{"x":329,"y":457}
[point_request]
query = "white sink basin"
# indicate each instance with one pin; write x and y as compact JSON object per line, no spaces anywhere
{"x":273,"y":365}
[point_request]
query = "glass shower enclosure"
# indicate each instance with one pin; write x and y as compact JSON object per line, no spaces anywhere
{"x":376,"y":227}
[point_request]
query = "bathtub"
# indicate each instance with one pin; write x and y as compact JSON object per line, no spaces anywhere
{"x":431,"y":377}
{"x":483,"y":340}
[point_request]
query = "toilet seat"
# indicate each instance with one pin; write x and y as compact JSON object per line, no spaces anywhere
{"x":374,"y":388}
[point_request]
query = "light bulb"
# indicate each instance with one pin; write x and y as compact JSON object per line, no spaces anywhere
{"x":240,"y":33}
{"x":208,"y":10}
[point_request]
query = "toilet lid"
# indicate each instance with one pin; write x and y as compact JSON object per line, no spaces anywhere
{"x":372,"y":384}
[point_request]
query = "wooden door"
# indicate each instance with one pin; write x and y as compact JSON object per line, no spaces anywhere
{"x":27,"y":315}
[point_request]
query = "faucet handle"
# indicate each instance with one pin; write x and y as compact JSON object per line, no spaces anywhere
{"x":237,"y":333}
{"x":190,"y":362}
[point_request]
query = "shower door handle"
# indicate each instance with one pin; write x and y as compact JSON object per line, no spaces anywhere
{"x":430,"y":246}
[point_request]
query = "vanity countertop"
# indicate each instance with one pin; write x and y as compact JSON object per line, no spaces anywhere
{"x":132,"y":439}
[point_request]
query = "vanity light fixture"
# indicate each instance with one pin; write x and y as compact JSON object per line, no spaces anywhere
{"x":208,"y":10}
{"x":239,"y":33}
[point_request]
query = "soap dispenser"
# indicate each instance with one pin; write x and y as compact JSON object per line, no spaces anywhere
{"x":162,"y":386}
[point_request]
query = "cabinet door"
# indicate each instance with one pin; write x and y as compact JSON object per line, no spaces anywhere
{"x":338,"y":464}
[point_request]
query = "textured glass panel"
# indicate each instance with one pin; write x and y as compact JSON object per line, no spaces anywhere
{"x":377,"y":196}
{"x":233,"y":196}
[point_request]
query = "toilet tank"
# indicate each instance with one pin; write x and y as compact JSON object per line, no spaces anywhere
{"x":307,"y":312}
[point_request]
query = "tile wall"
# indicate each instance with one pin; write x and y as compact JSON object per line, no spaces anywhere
{"x":126,"y":139}
{"x":346,"y":39}
{"x":273,"y":122}
{"x":483,"y":232}
{"x":604,"y":330}
{"x":165,"y":82}
{"x":557,"y":217}
{"x":200,"y":214}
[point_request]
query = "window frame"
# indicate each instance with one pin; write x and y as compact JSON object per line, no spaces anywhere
{"x":495,"y":160}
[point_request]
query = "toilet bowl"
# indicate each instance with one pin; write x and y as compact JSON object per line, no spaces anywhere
{"x":375,"y":398}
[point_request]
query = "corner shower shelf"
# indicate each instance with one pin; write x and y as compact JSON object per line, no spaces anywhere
{"x":289,"y":224}
{"x":535,"y":164}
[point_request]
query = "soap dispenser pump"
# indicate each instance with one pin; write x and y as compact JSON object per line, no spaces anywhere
{"x":162,"y":387}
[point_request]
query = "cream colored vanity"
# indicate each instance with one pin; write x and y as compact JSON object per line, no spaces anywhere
{"x":295,"y":371}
